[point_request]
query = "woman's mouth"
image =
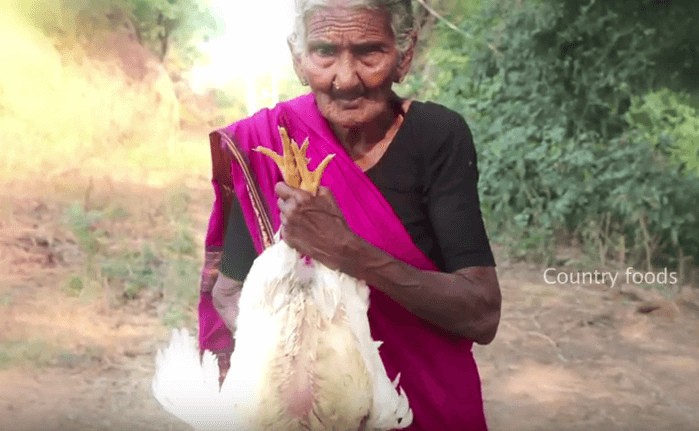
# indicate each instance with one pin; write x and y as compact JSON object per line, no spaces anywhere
{"x":349,"y":104}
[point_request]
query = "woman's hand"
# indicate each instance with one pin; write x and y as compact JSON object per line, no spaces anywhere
{"x":313,"y":225}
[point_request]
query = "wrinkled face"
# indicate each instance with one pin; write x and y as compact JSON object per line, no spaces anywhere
{"x":351,"y":62}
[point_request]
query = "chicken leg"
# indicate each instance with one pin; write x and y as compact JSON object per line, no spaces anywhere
{"x":294,"y":164}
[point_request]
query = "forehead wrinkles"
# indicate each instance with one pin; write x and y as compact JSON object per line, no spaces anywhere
{"x":364,"y":22}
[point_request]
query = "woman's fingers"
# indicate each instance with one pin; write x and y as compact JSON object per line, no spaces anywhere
{"x":286,"y":208}
{"x":287,"y":192}
{"x":290,"y":199}
{"x":312,"y":225}
{"x":282,"y":189}
{"x":324,"y":191}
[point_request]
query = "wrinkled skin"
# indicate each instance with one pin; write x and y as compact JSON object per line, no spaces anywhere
{"x":313,"y":225}
{"x":350,"y":64}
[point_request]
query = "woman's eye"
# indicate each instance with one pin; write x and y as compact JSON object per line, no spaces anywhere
{"x":369,"y":54}
{"x":325,"y":51}
{"x":367,"y":51}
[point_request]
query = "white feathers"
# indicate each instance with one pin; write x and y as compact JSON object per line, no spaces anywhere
{"x":282,"y":294}
{"x":390,"y":410}
{"x":184,"y":385}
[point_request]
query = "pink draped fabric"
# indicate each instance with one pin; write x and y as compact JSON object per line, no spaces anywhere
{"x":438,"y":371}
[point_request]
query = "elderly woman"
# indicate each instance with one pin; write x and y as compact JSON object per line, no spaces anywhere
{"x":398,"y":206}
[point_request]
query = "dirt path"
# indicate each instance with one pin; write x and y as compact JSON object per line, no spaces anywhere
{"x":565,"y":358}
{"x":569,"y":358}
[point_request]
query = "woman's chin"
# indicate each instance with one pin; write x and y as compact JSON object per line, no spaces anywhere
{"x":352,"y":117}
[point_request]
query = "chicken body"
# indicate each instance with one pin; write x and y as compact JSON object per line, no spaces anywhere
{"x":304,"y":358}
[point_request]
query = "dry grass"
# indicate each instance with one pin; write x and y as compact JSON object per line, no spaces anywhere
{"x":96,"y":180}
{"x":60,"y":110}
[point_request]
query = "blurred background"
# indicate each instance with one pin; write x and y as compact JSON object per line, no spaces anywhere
{"x":585,"y":116}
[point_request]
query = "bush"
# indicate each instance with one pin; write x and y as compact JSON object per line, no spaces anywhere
{"x":667,"y":119}
{"x":556,"y":94}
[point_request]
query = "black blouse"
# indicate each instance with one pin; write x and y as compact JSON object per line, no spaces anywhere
{"x":429,"y":176}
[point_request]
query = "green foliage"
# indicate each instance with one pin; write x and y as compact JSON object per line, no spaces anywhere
{"x":546,"y":88}
{"x":436,"y":63}
{"x":173,"y":270}
{"x":183,"y":274}
{"x":66,"y":17}
{"x":135,"y":271}
{"x":664,"y":116}
{"x":172,"y":267}
{"x":84,"y":227}
{"x":34,"y":353}
{"x":182,"y":242}
{"x":177,"y":203}
{"x":432,"y":78}
{"x":184,"y":23}
{"x":165,"y":267}
{"x":162,"y":25}
{"x":75,"y":285}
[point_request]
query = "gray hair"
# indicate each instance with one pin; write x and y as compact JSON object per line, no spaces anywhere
{"x":400,"y":11}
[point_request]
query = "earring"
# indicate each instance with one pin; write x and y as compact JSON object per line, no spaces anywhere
{"x":304,"y":81}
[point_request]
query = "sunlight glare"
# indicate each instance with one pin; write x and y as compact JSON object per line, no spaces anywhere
{"x":254,"y":42}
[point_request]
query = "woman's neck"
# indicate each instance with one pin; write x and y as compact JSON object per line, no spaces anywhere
{"x":361,"y":140}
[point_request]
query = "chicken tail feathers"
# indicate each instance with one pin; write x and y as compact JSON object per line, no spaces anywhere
{"x":393,"y":409}
{"x":186,"y":386}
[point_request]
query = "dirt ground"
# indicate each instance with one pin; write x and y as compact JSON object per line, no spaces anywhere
{"x":566,"y":357}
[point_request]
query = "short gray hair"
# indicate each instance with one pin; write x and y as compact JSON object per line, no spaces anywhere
{"x":400,"y":11}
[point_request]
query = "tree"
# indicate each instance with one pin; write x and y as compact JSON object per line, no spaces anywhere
{"x":164,"y":24}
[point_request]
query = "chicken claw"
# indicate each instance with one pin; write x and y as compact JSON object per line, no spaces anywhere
{"x":286,"y":161}
{"x":310,"y":181}
{"x":294,"y":163}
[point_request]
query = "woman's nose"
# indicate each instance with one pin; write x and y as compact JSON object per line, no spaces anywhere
{"x":346,"y":77}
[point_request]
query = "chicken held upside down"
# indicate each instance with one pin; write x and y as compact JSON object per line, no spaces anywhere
{"x":304,"y":358}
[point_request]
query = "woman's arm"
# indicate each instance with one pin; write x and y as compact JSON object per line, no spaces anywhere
{"x":225,"y":296}
{"x":236,"y":260}
{"x":466,"y":302}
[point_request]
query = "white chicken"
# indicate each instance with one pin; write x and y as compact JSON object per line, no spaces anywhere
{"x":304,"y":357}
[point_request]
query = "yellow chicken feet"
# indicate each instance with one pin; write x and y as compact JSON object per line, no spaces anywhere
{"x":310,"y":181}
{"x":286,"y":161}
{"x":294,"y":164}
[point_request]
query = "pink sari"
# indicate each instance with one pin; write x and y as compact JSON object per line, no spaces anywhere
{"x":438,"y":371}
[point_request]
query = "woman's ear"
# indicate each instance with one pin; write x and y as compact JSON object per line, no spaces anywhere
{"x":296,"y":61}
{"x":406,"y":59}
